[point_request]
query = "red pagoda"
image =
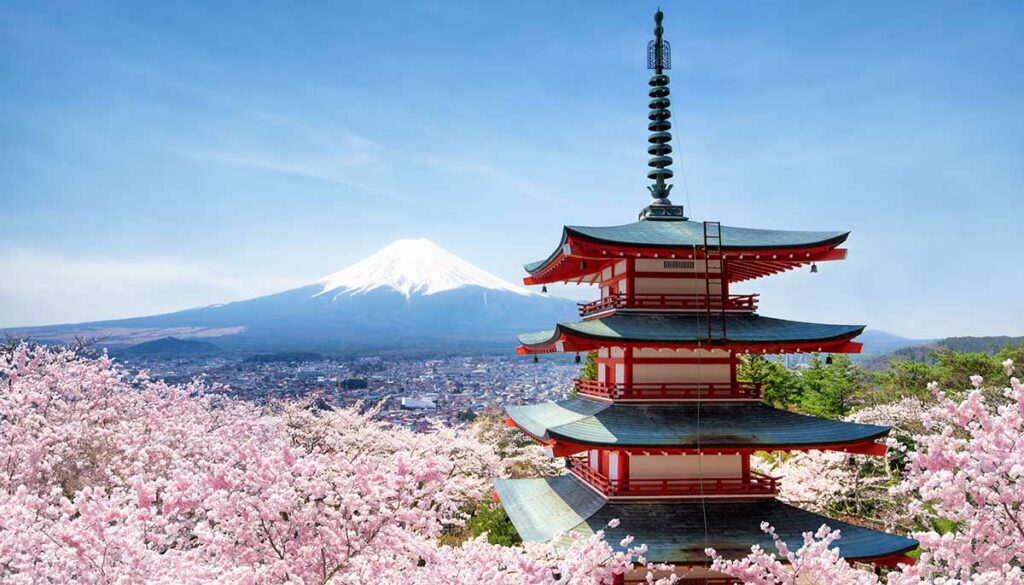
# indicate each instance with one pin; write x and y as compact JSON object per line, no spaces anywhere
{"x":662,"y":438}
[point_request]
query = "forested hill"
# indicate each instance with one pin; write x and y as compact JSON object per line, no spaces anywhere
{"x":923,"y":352}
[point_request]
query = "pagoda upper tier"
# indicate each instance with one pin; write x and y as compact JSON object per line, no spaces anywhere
{"x":745,"y":332}
{"x":748,"y":253}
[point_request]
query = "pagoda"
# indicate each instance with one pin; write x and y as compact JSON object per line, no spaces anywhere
{"x":662,"y":438}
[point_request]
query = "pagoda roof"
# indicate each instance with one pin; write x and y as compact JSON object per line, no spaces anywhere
{"x":685,"y":235}
{"x":674,"y":532}
{"x":744,"y":330}
{"x":758,"y":252}
{"x":686,"y":425}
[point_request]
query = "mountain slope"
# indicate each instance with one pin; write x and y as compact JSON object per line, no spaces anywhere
{"x":172,"y":346}
{"x":414,"y":267}
{"x":411,"y":294}
{"x":879,"y":342}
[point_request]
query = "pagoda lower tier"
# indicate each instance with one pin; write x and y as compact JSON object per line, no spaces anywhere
{"x":677,"y":533}
{"x":744,"y":333}
{"x":579,"y":424}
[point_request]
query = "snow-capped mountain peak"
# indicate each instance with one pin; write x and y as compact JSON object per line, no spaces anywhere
{"x":414,"y":266}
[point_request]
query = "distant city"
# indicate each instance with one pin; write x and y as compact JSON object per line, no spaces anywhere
{"x":416,"y":393}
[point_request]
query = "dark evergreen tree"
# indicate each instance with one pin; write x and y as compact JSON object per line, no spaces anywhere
{"x":779,"y":386}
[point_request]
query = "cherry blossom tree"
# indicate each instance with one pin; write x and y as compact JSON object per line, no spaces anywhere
{"x":970,"y":471}
{"x":520,"y":456}
{"x":815,"y":562}
{"x":108,"y":477}
{"x":832,"y":482}
{"x":967,"y":468}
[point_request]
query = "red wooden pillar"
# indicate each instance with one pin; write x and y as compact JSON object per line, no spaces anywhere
{"x":734,"y":359}
{"x":630,"y":280}
{"x":627,"y":366}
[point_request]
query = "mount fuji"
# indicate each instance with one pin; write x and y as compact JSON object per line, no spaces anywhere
{"x":412,"y":295}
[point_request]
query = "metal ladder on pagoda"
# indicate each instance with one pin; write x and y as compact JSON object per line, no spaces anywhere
{"x":714,"y":273}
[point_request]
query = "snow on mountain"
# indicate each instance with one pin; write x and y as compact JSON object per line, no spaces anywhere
{"x":412,"y":296}
{"x":413,"y":267}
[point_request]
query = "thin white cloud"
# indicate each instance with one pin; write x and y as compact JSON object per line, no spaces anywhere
{"x":43,"y":287}
{"x":520,"y":185}
{"x":323,"y":168}
{"x":336,"y":156}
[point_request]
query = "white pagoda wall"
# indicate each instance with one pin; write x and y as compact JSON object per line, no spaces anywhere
{"x":654,"y":373}
{"x":617,"y":269}
{"x":681,"y":373}
{"x":613,"y":468}
{"x":669,"y":267}
{"x":690,"y":279}
{"x":681,"y":466}
{"x":619,"y":373}
{"x":667,"y":373}
{"x":674,"y":286}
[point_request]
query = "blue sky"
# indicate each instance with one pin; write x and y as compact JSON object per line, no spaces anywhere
{"x":157,"y":156}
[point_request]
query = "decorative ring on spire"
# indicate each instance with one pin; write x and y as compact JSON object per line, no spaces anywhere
{"x":659,"y":58}
{"x":660,"y":135}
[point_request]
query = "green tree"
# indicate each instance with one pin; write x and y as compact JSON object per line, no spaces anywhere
{"x":1015,"y":353}
{"x":900,"y":379}
{"x":779,"y":386}
{"x":589,"y":369}
{"x":829,"y":389}
{"x":953,"y":369}
{"x":490,"y":517}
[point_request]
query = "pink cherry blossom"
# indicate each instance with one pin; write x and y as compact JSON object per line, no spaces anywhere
{"x":109,"y":477}
{"x":112,"y":478}
{"x":967,"y":468}
{"x":813,"y":562}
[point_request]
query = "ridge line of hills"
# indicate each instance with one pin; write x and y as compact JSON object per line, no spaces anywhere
{"x":920,"y":352}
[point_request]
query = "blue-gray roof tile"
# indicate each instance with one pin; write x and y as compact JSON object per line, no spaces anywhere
{"x":670,"y":328}
{"x":686,"y":234}
{"x":744,"y":425}
{"x":675,"y":532}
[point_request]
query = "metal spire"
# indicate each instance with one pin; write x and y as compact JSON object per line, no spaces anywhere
{"x":659,"y":58}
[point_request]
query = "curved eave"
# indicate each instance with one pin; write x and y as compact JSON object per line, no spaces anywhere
{"x":675,"y":532}
{"x":744,"y":333}
{"x":744,"y":262}
{"x":748,"y":238}
{"x":578,"y":423}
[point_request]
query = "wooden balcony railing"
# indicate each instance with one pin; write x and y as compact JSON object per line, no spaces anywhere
{"x":676,"y":302}
{"x":755,"y":484}
{"x":701,"y":391}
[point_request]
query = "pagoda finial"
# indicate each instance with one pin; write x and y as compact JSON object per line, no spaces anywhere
{"x":659,"y":58}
